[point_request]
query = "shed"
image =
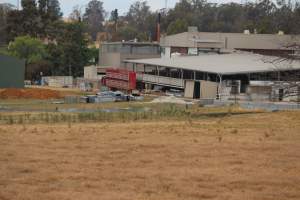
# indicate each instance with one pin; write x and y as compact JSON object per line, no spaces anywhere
{"x":12,"y":72}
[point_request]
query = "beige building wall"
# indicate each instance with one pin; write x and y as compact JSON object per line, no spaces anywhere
{"x":90,"y":72}
{"x":116,"y":59}
{"x":110,"y":59}
{"x":136,"y":56}
{"x":59,"y":81}
{"x":230,"y":40}
{"x":208,"y":90}
{"x":189,"y":89}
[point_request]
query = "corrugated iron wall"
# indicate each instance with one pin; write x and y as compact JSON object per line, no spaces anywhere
{"x":12,"y":72}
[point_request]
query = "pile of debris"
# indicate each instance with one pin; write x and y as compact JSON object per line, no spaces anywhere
{"x":102,"y":97}
{"x":29,"y":93}
{"x":110,"y":96}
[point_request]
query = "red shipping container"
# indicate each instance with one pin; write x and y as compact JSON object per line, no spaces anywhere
{"x":120,"y":79}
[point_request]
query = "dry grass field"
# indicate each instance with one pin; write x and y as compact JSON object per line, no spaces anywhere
{"x":250,"y":156}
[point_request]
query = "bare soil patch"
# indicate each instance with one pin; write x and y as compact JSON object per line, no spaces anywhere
{"x":234,"y":157}
{"x":29,"y":93}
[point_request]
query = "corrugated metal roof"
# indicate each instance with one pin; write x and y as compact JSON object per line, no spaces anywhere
{"x":234,"y":63}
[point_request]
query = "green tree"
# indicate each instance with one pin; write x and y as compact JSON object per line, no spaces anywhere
{"x":14,"y":24}
{"x":30,"y":18}
{"x":115,"y":18}
{"x":93,"y":55}
{"x":76,"y":14}
{"x":296,"y":19}
{"x":35,"y":20}
{"x":284,"y":16}
{"x":180,"y":25}
{"x":137,"y":15}
{"x":25,"y":21}
{"x":141,"y":21}
{"x":266,"y":21}
{"x":30,"y":49}
{"x":183,"y":10}
{"x":49,"y":14}
{"x":127,"y":33}
{"x":53,"y":10}
{"x":264,"y":16}
{"x":71,"y":53}
{"x":4,"y":10}
{"x":94,"y":16}
{"x":230,"y":18}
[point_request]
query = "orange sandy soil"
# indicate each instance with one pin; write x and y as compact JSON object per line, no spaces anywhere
{"x":29,"y":93}
{"x":255,"y":156}
{"x":40,"y":93}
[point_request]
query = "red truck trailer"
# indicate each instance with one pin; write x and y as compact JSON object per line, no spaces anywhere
{"x":120,"y":79}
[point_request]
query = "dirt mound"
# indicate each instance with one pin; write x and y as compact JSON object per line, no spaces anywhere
{"x":29,"y":94}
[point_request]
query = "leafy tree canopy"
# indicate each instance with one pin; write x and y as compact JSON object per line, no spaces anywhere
{"x":94,"y":17}
{"x":5,"y":8}
{"x":28,"y":48}
{"x":71,"y":53}
{"x":33,"y":51}
{"x":178,"y":26}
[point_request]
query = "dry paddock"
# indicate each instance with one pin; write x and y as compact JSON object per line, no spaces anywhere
{"x":254,"y":156}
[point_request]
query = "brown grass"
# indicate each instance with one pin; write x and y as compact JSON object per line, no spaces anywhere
{"x":235,"y":157}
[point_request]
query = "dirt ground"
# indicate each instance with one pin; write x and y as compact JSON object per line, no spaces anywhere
{"x":29,"y":93}
{"x":253,"y":156}
{"x":41,"y":93}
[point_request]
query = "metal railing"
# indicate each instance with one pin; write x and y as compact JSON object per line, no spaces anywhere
{"x":161,"y":80}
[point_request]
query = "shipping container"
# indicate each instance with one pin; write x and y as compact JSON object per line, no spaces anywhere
{"x":120,"y":79}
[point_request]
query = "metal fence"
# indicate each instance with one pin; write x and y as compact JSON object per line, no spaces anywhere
{"x":160,"y":80}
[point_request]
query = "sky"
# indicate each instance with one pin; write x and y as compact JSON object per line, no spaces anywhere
{"x":109,"y":5}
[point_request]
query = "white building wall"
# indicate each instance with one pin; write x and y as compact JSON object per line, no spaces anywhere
{"x":193,"y":51}
{"x":166,"y":53}
{"x":90,"y":72}
{"x":58,"y":81}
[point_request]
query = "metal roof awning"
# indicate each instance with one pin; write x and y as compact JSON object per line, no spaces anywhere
{"x":224,"y":64}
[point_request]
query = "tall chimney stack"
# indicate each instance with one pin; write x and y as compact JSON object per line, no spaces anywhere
{"x":158,"y":27}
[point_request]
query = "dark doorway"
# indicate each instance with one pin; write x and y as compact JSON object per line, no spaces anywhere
{"x":197,"y":90}
{"x":281,"y":94}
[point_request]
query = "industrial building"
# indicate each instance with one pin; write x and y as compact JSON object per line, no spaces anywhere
{"x":194,"y":43}
{"x":114,"y":53}
{"x":12,"y":72}
{"x":217,"y":75}
{"x":206,"y":65}
{"x":92,"y":78}
{"x":94,"y":72}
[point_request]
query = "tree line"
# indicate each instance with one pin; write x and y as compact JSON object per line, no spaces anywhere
{"x":49,"y":45}
{"x":61,"y":47}
{"x":264,"y":16}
